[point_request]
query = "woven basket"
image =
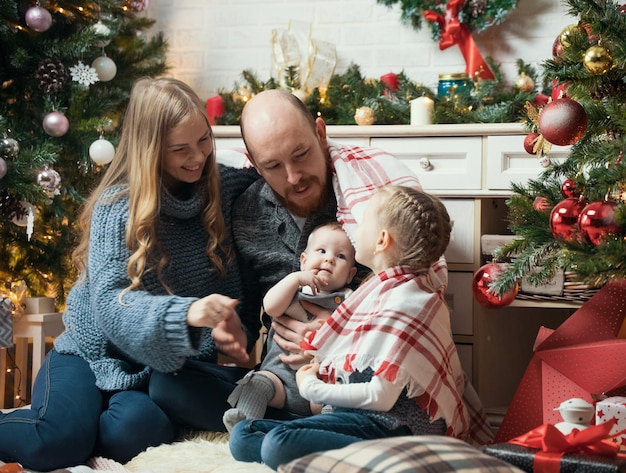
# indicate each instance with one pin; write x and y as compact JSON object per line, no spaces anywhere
{"x":573,"y":291}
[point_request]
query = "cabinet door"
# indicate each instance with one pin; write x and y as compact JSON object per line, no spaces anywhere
{"x":461,"y":246}
{"x":459,"y":299}
{"x":508,"y":162}
{"x":443,"y":163}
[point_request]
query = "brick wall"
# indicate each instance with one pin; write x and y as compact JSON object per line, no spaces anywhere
{"x":213,"y":41}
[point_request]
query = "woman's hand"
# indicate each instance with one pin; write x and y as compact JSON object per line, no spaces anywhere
{"x":230,"y":339}
{"x":218,"y":312}
{"x":306,"y":371}
{"x":211,"y":310}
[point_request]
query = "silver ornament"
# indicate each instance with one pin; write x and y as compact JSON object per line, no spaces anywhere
{"x":9,"y":147}
{"x":50,"y":181}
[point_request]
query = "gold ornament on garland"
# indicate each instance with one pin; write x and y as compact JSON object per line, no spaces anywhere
{"x":597,"y":60}
{"x":364,"y":116}
{"x":525,"y":83}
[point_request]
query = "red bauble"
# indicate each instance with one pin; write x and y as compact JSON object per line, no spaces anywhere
{"x":481,"y":281}
{"x":557,"y":48}
{"x":559,"y":90}
{"x":542,"y":204}
{"x":568,"y":189}
{"x":563,"y":122}
{"x":597,"y":220}
{"x":564,"y":219}
{"x":529,"y":142}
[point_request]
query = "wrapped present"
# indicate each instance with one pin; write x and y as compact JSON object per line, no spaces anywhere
{"x":38,"y":305}
{"x":583,"y":358}
{"x":613,"y":409}
{"x":547,"y":450}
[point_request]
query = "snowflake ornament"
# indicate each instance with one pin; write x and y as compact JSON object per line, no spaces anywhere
{"x":83,"y":74}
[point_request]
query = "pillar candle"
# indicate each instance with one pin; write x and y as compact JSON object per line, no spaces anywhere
{"x":421,"y":111}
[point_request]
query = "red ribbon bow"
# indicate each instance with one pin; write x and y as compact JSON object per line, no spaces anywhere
{"x":553,"y":444}
{"x":454,"y":32}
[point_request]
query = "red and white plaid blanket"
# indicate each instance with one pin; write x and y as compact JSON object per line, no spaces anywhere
{"x":397,"y":323}
{"x":358,"y":172}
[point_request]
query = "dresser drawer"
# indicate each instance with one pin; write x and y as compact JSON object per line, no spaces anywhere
{"x":459,"y":299}
{"x":454,"y":162}
{"x":508,"y":162}
{"x":461,"y":246}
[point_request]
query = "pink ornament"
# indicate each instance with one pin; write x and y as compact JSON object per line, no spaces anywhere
{"x":481,"y":281}
{"x":56,"y":124}
{"x":597,"y":221}
{"x":564,"y":220}
{"x":38,"y":19}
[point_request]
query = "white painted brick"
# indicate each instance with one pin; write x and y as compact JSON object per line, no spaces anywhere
{"x":211,"y":43}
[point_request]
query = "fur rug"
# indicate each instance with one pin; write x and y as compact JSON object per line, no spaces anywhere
{"x":206,"y":452}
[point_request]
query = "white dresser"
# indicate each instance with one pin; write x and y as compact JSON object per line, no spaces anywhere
{"x":470,"y":167}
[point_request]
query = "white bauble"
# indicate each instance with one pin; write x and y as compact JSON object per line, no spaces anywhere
{"x":102,"y":151}
{"x":105,"y":68}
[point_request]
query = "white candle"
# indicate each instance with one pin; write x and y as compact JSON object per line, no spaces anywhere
{"x":422,"y":111}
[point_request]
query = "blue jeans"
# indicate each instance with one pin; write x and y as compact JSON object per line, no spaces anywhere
{"x":70,"y":420}
{"x":276,"y":442}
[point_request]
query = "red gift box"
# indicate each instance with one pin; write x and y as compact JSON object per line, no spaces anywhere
{"x":582,"y":358}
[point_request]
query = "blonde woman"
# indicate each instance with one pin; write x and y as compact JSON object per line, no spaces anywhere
{"x":158,"y":291}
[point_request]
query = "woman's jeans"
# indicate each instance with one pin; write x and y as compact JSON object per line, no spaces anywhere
{"x":275,"y":442}
{"x":70,"y":420}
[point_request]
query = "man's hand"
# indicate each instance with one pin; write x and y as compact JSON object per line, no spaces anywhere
{"x":288,"y":335}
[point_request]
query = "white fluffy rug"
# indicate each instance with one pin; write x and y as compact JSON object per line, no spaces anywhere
{"x":204,"y":453}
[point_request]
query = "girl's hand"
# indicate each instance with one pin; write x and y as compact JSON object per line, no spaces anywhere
{"x":307,"y":371}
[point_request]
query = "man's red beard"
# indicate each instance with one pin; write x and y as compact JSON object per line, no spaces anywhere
{"x":310,"y":207}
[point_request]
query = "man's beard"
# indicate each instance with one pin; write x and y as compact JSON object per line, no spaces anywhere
{"x":314,"y":205}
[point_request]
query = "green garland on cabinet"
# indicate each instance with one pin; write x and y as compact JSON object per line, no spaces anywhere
{"x":487,"y":101}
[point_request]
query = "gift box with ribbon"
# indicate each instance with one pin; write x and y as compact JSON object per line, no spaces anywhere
{"x":585,"y":357}
{"x":613,"y":409}
{"x":546,"y":450}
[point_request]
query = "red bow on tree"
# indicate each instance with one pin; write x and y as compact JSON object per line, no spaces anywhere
{"x":454,"y":32}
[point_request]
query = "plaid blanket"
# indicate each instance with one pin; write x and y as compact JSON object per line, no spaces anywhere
{"x":397,"y":323}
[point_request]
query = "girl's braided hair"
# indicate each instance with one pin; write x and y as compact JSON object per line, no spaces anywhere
{"x":419,"y":224}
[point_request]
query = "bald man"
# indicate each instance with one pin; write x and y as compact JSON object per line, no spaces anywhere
{"x":274,"y":217}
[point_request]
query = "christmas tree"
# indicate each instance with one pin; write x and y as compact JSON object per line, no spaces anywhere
{"x":572,"y":217}
{"x":66,"y":70}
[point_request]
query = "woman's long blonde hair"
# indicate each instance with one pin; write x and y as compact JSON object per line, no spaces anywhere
{"x":155,"y":107}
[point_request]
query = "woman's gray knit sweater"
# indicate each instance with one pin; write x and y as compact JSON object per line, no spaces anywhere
{"x":148,"y":330}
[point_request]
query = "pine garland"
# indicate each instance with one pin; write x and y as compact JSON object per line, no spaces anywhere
{"x":478,"y":15}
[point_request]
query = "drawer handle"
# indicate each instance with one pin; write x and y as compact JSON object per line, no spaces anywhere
{"x":425,"y":164}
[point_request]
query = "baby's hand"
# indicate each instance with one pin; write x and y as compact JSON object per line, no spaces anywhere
{"x":312,"y":280}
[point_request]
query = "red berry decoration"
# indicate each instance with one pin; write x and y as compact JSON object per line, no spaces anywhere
{"x":481,"y":281}
{"x":542,"y":204}
{"x":597,"y":221}
{"x":569,"y":190}
{"x":564,"y":220}
{"x":563,"y":122}
{"x":529,"y":142}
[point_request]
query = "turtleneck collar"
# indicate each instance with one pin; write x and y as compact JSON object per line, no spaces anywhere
{"x":183,"y":208}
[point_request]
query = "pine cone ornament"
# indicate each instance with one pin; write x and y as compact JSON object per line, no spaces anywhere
{"x":52,"y":75}
{"x":10,"y":207}
{"x":477,"y":7}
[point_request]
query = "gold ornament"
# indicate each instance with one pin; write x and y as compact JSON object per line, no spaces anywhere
{"x":371,"y":82}
{"x":597,"y":60}
{"x":364,"y":116}
{"x":565,"y":35}
{"x":525,"y":83}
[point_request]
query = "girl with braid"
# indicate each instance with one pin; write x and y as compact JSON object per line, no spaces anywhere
{"x":384,"y":364}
